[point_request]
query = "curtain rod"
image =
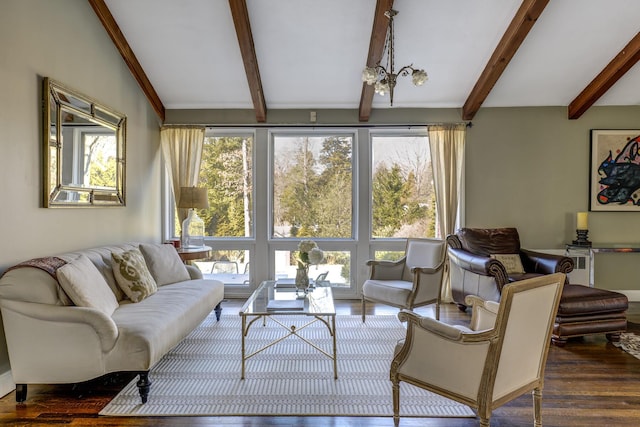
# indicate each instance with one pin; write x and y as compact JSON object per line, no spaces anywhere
{"x":313,"y":126}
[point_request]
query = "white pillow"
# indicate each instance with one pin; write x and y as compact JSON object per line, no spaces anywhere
{"x":511,"y":262}
{"x":164,"y":263}
{"x":86,"y":287}
{"x":132,"y":274}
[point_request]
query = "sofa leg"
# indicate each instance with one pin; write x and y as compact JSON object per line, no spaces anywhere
{"x":144,"y":385}
{"x":613,"y":336}
{"x":559,"y":341}
{"x":218,"y":310}
{"x":21,"y":393}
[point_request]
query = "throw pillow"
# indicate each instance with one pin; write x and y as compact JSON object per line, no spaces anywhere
{"x":85,"y":286}
{"x":132,"y":274}
{"x":511,"y":262}
{"x":164,"y":263}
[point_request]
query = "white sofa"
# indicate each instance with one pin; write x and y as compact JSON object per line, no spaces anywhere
{"x":55,"y":334}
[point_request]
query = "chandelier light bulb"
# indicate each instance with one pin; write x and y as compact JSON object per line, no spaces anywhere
{"x":382,"y":87}
{"x":419,"y":77}
{"x":369,"y":75}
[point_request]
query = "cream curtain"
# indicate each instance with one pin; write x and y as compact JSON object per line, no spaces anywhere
{"x":446,"y":143}
{"x":182,"y":152}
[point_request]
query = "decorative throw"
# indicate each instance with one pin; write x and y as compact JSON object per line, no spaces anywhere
{"x":511,"y":262}
{"x":132,"y":274}
{"x":49,"y":264}
{"x":86,"y":287}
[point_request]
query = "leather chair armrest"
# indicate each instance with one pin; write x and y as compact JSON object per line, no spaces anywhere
{"x":538,"y":262}
{"x":478,"y":264}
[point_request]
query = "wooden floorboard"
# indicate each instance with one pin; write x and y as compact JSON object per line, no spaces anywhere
{"x":589,"y":382}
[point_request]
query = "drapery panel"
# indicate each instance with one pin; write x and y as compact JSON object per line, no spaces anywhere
{"x":447,"y":144}
{"x":182,"y":152}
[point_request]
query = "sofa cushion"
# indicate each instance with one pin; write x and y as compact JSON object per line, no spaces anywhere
{"x":132,"y":274}
{"x":86,"y":287}
{"x":164,"y":263}
{"x":512,"y":262}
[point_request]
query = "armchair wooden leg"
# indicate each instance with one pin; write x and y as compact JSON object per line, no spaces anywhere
{"x":537,"y":407}
{"x":437,"y":311}
{"x":396,"y":401}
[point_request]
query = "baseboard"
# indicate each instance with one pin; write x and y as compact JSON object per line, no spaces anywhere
{"x":6,"y":383}
{"x":632,"y":295}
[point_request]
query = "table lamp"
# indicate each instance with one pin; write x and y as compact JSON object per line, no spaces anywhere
{"x":192,"y":232}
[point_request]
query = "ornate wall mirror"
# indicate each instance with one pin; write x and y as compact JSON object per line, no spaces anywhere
{"x":84,"y":150}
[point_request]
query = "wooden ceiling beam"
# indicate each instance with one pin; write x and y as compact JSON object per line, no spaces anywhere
{"x":109,"y":24}
{"x":245,"y":40}
{"x":617,"y":68}
{"x":523,"y":21}
{"x":376,"y":50}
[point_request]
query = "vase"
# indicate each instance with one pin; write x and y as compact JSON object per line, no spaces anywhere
{"x":302,"y":280}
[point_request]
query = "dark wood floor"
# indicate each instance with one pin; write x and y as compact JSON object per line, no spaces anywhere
{"x":589,"y":382}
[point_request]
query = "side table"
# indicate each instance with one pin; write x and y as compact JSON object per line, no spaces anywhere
{"x":189,"y":254}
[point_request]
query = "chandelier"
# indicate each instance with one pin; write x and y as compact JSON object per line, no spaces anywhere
{"x":384,"y":77}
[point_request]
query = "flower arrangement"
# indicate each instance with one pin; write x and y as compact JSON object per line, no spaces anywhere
{"x":309,"y":254}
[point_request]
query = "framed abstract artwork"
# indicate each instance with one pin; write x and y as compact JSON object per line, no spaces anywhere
{"x":615,"y":170}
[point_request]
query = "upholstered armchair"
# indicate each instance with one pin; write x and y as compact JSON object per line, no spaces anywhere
{"x":483,"y":260}
{"x":499,"y":357}
{"x":413,"y":281}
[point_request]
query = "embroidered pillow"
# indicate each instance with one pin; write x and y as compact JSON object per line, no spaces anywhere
{"x":511,"y":262}
{"x":164,"y":263}
{"x":85,"y":286}
{"x":132,"y":274}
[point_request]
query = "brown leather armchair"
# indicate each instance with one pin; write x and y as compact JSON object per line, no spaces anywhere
{"x":483,"y":260}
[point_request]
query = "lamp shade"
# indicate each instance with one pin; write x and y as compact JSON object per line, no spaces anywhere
{"x":193,"y":197}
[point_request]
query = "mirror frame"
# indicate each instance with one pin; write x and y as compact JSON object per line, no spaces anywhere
{"x":58,"y":102}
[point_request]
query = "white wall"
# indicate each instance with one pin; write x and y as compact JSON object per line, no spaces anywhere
{"x":64,"y":40}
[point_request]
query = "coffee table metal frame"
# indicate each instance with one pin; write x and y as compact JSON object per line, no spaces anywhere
{"x":318,"y":305}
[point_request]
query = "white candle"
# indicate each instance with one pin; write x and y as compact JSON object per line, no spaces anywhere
{"x":582,"y":221}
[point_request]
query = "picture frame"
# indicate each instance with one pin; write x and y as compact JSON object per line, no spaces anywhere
{"x":615,"y":170}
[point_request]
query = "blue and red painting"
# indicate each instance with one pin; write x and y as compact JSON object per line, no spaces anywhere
{"x":616,"y":185}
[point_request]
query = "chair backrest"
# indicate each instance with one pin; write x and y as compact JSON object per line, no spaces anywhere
{"x":422,"y":253}
{"x":524,"y":325}
{"x":489,"y":241}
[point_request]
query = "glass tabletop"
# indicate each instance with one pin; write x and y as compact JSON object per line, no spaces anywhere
{"x":268,"y":299}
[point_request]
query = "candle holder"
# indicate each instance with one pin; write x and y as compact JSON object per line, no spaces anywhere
{"x":582,"y":240}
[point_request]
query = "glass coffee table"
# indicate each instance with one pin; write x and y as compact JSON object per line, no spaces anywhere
{"x":274,"y":301}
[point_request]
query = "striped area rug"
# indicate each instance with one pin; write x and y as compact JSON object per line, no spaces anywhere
{"x":201,"y":376}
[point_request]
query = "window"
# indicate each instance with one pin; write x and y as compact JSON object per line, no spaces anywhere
{"x":403,"y":198}
{"x":357,"y":192}
{"x":312,"y":186}
{"x":227,"y":171}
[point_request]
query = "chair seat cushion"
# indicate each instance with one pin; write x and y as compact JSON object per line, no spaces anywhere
{"x":393,"y":292}
{"x":580,"y":300}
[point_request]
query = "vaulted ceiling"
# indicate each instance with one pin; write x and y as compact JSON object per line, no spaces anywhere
{"x":309,"y":54}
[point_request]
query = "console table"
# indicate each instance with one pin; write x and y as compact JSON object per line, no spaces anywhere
{"x":595,"y":249}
